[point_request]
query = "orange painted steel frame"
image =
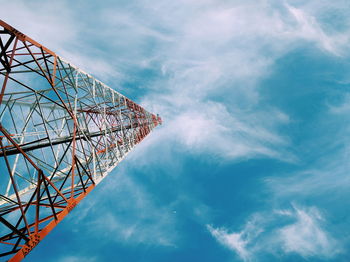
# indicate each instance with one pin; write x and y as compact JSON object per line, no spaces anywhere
{"x":36,"y":236}
{"x":128,"y":126}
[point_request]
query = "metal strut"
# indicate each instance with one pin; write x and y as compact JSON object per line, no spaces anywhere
{"x":61,"y":132}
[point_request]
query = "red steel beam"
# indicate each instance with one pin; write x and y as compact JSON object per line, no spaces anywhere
{"x":46,"y":193}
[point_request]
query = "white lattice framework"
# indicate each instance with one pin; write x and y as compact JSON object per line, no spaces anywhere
{"x":62,"y":131}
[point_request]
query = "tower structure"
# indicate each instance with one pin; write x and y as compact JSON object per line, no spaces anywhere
{"x":61,"y":132}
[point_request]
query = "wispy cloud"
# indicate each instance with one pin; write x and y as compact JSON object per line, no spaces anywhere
{"x":327,"y":175}
{"x":306,"y":236}
{"x":209,"y":58}
{"x":210,"y":63}
{"x":132,"y":216}
{"x":308,"y":28}
{"x":56,"y":26}
{"x":76,"y":259}
{"x":232,"y":241}
{"x":298,"y":230}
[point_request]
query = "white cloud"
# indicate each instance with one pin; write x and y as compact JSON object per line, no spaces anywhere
{"x":245,"y":243}
{"x":36,"y":20}
{"x":221,"y":52}
{"x":57,"y":26}
{"x":307,"y":237}
{"x":212,"y":129}
{"x":210,"y":58}
{"x":232,"y":241}
{"x":76,"y":259}
{"x":130,"y":215}
{"x":308,"y":28}
{"x":342,"y":107}
{"x":299,"y":230}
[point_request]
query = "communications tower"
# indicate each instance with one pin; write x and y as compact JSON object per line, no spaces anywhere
{"x":61,"y":132}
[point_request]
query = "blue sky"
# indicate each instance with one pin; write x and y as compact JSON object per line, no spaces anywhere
{"x":252,"y":161}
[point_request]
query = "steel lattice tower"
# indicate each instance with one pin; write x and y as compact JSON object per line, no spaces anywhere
{"x":61,"y":132}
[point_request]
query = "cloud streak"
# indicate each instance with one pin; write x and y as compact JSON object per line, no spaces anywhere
{"x":298,"y":230}
{"x":233,"y":241}
{"x":201,"y":65}
{"x":306,"y":236}
{"x":222,"y":51}
{"x":202,"y":52}
{"x":132,"y":216}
